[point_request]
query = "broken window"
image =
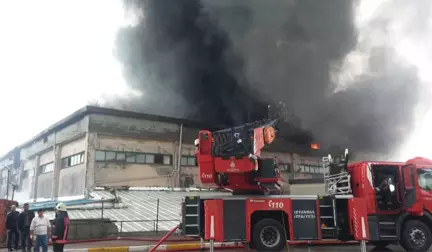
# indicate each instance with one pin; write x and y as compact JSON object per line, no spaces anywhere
{"x":73,"y":160}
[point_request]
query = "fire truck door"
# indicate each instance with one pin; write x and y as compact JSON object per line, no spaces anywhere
{"x":408,"y":194}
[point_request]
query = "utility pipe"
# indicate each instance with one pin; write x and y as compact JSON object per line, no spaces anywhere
{"x":179,"y":154}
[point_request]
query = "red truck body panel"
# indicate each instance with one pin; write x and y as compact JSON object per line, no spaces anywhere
{"x":216,"y":217}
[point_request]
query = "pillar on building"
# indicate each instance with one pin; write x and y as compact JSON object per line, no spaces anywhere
{"x":56,"y":172}
{"x":35,"y":178}
{"x":86,"y":162}
{"x":89,"y":159}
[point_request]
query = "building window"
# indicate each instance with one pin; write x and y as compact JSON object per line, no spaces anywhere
{"x":140,"y":158}
{"x":73,"y":160}
{"x":131,"y":157}
{"x":166,"y":160}
{"x":134,"y":158}
{"x":286,"y":167}
{"x":303,"y":168}
{"x":46,"y":168}
{"x":188,"y":161}
{"x":110,"y":156}
{"x":121,"y":156}
{"x":149,"y":159}
{"x":100,"y":155}
{"x":162,"y":159}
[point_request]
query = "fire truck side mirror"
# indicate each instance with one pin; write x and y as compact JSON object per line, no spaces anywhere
{"x":196,"y":142}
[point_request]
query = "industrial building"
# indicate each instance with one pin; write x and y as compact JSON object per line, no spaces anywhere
{"x":101,"y":147}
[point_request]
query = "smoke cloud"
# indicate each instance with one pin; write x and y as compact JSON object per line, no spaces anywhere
{"x":224,"y":61}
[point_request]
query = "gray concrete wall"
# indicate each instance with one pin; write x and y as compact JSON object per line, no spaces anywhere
{"x":69,"y":132}
{"x":119,"y":126}
{"x":72,"y":179}
{"x":3,"y":187}
{"x":90,"y":162}
{"x":134,"y":135}
{"x":92,"y":229}
{"x":126,"y":174}
{"x":41,"y":152}
{"x":25,"y":189}
{"x":44,"y":180}
{"x":5,"y":162}
{"x":102,"y":132}
{"x":44,"y":186}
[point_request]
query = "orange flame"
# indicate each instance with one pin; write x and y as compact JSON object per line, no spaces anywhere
{"x":315,"y":146}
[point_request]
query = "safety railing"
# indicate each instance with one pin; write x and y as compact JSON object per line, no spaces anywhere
{"x":97,"y":228}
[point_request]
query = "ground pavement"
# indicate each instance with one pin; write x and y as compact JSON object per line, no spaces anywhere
{"x":298,"y":248}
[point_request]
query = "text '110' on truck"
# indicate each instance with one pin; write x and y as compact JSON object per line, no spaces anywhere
{"x":381,"y":202}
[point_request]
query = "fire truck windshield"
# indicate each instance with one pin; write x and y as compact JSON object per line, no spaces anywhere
{"x":425,"y":178}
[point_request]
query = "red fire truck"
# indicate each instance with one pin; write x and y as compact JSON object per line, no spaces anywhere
{"x":381,"y":202}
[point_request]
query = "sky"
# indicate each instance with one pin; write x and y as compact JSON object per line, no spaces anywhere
{"x":56,"y":56}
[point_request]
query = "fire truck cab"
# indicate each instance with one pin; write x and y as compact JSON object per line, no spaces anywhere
{"x":399,"y":201}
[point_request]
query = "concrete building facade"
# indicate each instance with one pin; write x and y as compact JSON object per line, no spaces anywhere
{"x":100,"y":147}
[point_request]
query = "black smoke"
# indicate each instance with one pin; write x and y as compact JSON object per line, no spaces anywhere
{"x":179,"y":52}
{"x":223,"y":61}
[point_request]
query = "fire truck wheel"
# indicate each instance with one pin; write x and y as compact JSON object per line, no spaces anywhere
{"x":269,"y":235}
{"x":416,"y":236}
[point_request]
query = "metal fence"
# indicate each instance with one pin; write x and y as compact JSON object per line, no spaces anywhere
{"x":147,"y":214}
{"x":94,"y":229}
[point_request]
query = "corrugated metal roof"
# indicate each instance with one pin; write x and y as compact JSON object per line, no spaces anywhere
{"x":137,"y":211}
{"x":101,"y":195}
{"x":52,"y":203}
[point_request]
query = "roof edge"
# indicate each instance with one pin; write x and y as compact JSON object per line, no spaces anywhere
{"x":86,"y":110}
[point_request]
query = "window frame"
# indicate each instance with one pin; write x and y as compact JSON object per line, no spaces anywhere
{"x":123,"y":156}
{"x":129,"y":155}
{"x":285,"y":167}
{"x":42,"y":168}
{"x":190,"y":161}
{"x":421,"y":186}
{"x":310,"y":169}
{"x":139,"y":157}
{"x":96,"y":156}
{"x":73,"y":160}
